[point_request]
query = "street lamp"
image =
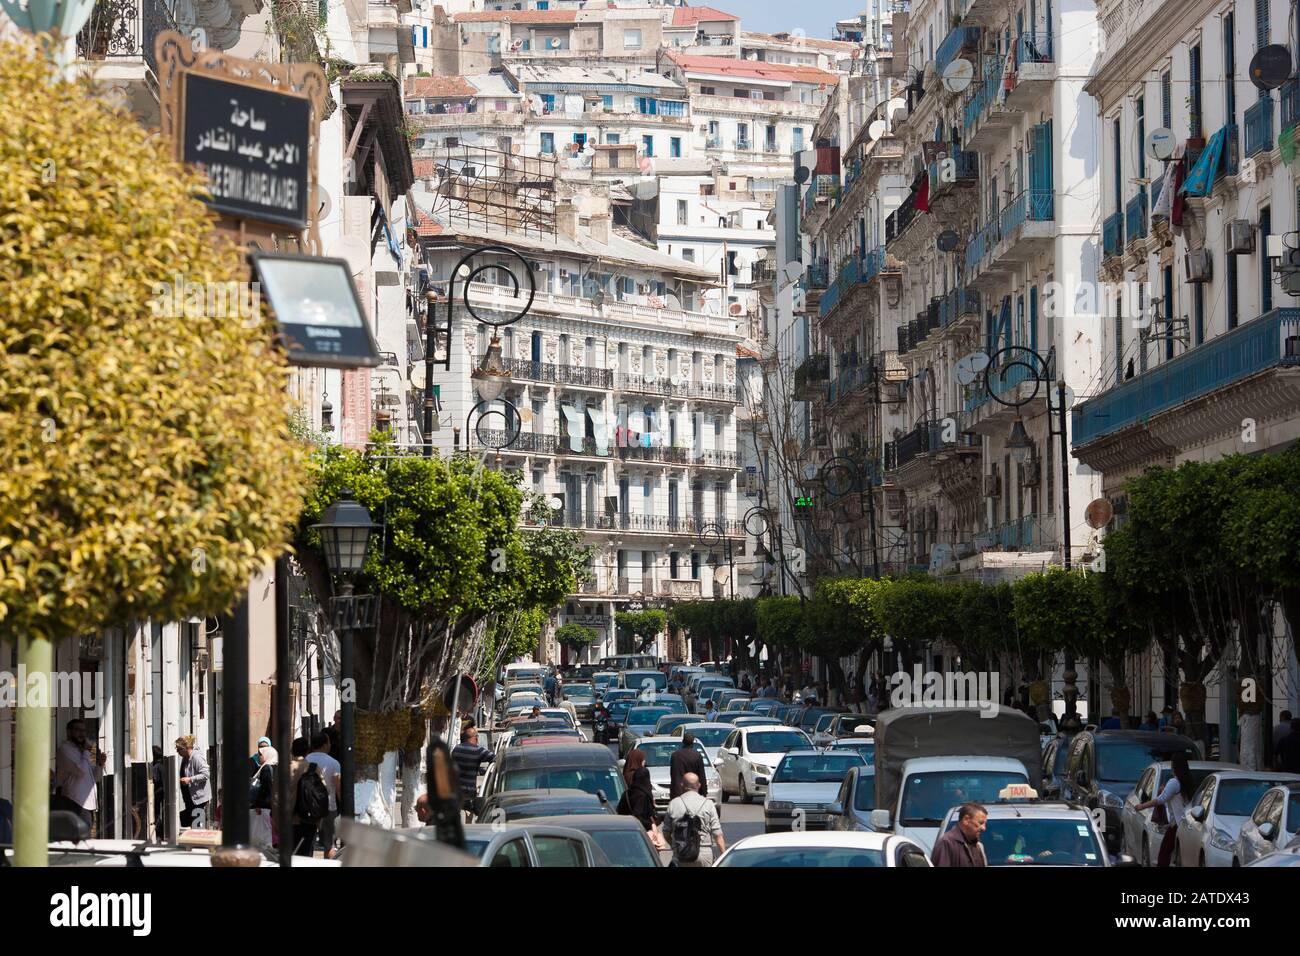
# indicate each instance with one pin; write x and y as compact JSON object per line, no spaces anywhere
{"x":326,"y":414}
{"x":344,"y":532}
{"x":62,"y":18}
{"x":1018,"y":443}
{"x":491,"y":377}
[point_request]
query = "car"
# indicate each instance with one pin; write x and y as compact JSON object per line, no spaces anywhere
{"x":831,"y":726}
{"x":587,"y":767}
{"x":619,"y":693}
{"x":824,"y":849}
{"x":601,"y":681}
{"x":544,"y":740}
{"x":855,"y":800}
{"x":1038,"y":833}
{"x":811,"y":716}
{"x":1225,"y":800}
{"x":1056,"y":754}
{"x":627,"y":662}
{"x":1287,"y":856}
{"x":526,"y":698}
{"x":615,"y":714}
{"x":698,"y":684}
{"x":561,"y":713}
{"x":583,"y":698}
{"x":523,"y":672}
{"x":668,"y":722}
{"x":640,"y":722}
{"x":658,"y":757}
{"x":534,"y":844}
{"x":540,"y":802}
{"x":749,"y":754}
{"x":643,"y":680}
{"x":730,"y":718}
{"x":864,"y":746}
{"x":671,"y":700}
{"x":621,"y":838}
{"x":715,"y":695}
{"x":804,"y":786}
{"x":1105,"y":765}
{"x":753,"y":720}
{"x":710,"y":734}
{"x":782,"y":711}
{"x":731,"y":699}
{"x":1273,"y":825}
{"x":763,"y":706}
{"x":1142,"y":838}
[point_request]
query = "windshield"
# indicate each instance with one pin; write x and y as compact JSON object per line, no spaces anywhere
{"x":618,"y":710}
{"x":1122,"y":761}
{"x":849,"y":724}
{"x":711,"y":736}
{"x":578,"y":690}
{"x":1028,"y":841}
{"x":641,"y":680}
{"x":927,"y":797}
{"x":601,"y":680}
{"x":865,"y":749}
{"x":798,"y":856}
{"x":624,"y":847}
{"x":587,"y":779}
{"x":823,"y":723}
{"x":660,"y":753}
{"x":775,"y":742}
{"x":864,"y":798}
{"x":619,"y":694}
{"x":667,"y":725}
{"x":815,"y":768}
{"x":1238,"y":798}
{"x":646,"y":716}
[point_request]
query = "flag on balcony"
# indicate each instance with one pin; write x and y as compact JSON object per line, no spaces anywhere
{"x":1201,"y":179}
{"x":1286,"y":143}
{"x":923,"y":194}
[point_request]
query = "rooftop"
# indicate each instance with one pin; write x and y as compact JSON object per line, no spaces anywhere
{"x":558,"y":73}
{"x":519,"y":16}
{"x":689,"y":16}
{"x":752,"y":69}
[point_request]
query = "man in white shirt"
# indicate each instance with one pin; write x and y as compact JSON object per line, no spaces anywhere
{"x":330,"y":771}
{"x":690,"y":803}
{"x":76,"y":774}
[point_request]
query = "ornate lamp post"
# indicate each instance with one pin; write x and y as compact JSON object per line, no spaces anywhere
{"x":63,"y":19}
{"x":345,"y":533}
{"x":841,"y":476}
{"x":713,"y":533}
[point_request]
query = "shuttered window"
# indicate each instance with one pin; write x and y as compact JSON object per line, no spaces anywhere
{"x":1194,"y":90}
{"x":1166,"y":101}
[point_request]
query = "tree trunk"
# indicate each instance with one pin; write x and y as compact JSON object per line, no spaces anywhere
{"x":32,"y":762}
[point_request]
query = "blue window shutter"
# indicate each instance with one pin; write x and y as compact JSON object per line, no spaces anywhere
{"x":1166,"y":98}
{"x":1194,"y":68}
{"x":1033,"y":318}
{"x":1020,"y":319}
{"x":1261,"y":24}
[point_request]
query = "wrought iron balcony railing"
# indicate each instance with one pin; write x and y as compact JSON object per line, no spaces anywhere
{"x":1259,"y":126}
{"x":124,"y":29}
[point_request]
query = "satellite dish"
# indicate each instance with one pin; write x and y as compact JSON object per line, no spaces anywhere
{"x":673,"y":302}
{"x":1053,"y":404}
{"x":970,"y":368}
{"x":957,"y":75}
{"x":1160,"y":144}
{"x":1099,"y":513}
{"x":801,"y":174}
{"x":1270,"y":67}
{"x":760,"y":254}
{"x":876,"y":129}
{"x":948,"y":240}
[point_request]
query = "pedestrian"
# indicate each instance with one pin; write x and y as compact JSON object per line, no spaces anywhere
{"x":1282,"y":729}
{"x":1288,"y":751}
{"x":78,"y":770}
{"x":311,"y":806}
{"x":711,"y":712}
{"x":548,"y":685}
{"x":469,"y":758}
{"x":855,"y":694}
{"x":255,"y":761}
{"x":335,"y":733}
{"x":196,"y":789}
{"x":1178,"y":723}
{"x":1170,"y":805}
{"x":1166,"y":713}
{"x":332,"y":773}
{"x":1112,"y":722}
{"x":961,"y":845}
{"x":261,"y":789}
{"x":1150,"y":722}
{"x":685,"y":760}
{"x":638,"y":799}
{"x":692,"y":820}
{"x":744,"y":682}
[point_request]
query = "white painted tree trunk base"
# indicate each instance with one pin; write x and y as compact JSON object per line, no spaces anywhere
{"x":375,"y":800}
{"x":1250,"y":758}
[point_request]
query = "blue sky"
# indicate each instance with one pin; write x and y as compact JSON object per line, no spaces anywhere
{"x":816,"y":17}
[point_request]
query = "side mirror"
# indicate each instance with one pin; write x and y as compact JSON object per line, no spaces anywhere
{"x":1126,"y":860}
{"x":880,"y":820}
{"x":1197,"y":813}
{"x":835,"y":809}
{"x":1267,"y":830}
{"x":600,"y":795}
{"x":1081,"y":779}
{"x":67,"y":827}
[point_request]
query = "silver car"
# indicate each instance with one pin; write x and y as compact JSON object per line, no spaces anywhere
{"x":855,"y":800}
{"x":804,"y":789}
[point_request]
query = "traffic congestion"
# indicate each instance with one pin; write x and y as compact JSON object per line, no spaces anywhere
{"x":638,"y":762}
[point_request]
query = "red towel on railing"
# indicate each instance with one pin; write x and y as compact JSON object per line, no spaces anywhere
{"x":923,"y":194}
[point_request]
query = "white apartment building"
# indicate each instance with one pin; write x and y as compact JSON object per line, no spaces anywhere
{"x":702,"y":30}
{"x":599,"y":35}
{"x":484,"y":109}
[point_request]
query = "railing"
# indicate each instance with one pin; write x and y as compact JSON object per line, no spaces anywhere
{"x":664,"y":454}
{"x":744,"y":146}
{"x":1112,"y":235}
{"x":675,"y":524}
{"x":980,"y":245}
{"x":1033,"y":48}
{"x":1035,"y":205}
{"x":1135,"y":216}
{"x":1003,"y":382}
{"x":1269,"y":341}
{"x":525,"y":442}
{"x":713,"y":142}
{"x":956,"y":303}
{"x":904,"y":339}
{"x":967,"y":164}
{"x":1157,"y":187}
{"x":1231,"y":154}
{"x":847,"y":382}
{"x":815,"y":368}
{"x":1259,"y":126}
{"x":502,"y":297}
{"x":896,"y":222}
{"x":1290,"y":97}
{"x":817,"y":276}
{"x":984,"y":95}
{"x":1019,"y":534}
{"x":560,"y":374}
{"x":589,"y":448}
{"x":124,"y":29}
{"x":959,"y":39}
{"x":716,"y":459}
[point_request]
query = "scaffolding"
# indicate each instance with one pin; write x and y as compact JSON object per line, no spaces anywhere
{"x":485,"y":188}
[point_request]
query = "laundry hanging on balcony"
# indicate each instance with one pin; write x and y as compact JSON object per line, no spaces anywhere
{"x":923,"y":193}
{"x":1201,"y":178}
{"x":598,"y":429}
{"x":576,"y":426}
{"x":1287,"y":145}
{"x":1164,"y":206}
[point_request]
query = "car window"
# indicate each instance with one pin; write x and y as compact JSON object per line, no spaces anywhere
{"x":1143,"y":789}
{"x":1238,"y":798}
{"x":846,"y":788}
{"x":731,"y":740}
{"x":802,"y":857}
{"x":1012,"y":841}
{"x":513,"y":854}
{"x":1207,"y":794}
{"x":624,"y":847}
{"x":1262,"y":811}
{"x":1049,"y":756}
{"x":864,"y":792}
{"x":824,"y":767}
{"x":559,"y":851}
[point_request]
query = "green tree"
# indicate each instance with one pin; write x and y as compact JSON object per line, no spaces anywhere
{"x":780,"y":621}
{"x":642,"y":626}
{"x":844,"y":620}
{"x":914,"y":611}
{"x":574,"y":635}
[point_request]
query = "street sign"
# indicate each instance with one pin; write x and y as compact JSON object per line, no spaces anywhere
{"x":317,"y":310}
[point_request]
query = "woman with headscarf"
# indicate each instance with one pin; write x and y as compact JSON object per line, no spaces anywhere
{"x":638,"y":800}
{"x":261,"y":790}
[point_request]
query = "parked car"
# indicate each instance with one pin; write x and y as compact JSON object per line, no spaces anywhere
{"x":540,"y":802}
{"x":831,"y":726}
{"x":501,"y":738}
{"x":622,"y":839}
{"x":582,"y":697}
{"x":534,"y":844}
{"x":855,"y":800}
{"x":1056,"y":757}
{"x":1273,"y":825}
{"x":658,"y":756}
{"x":640,"y":722}
{"x":1287,"y":856}
{"x":803,"y":789}
{"x":1141,"y":837}
{"x":709,"y":735}
{"x":749,"y":755}
{"x":1225,"y":800}
{"x":859,"y":745}
{"x":587,"y":767}
{"x":825,"y":849}
{"x":1039,"y":833}
{"x":1105,"y":765}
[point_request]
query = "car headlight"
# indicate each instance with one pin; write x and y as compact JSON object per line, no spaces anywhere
{"x":1221,"y":839}
{"x":1109,"y":799}
{"x":783,"y":806}
{"x":760,"y":769}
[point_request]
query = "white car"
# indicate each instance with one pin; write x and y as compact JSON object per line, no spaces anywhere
{"x":1039,"y":833}
{"x":1289,"y":856}
{"x":711,"y":735}
{"x":1273,"y":826}
{"x":1142,"y":838}
{"x":1208,"y":832}
{"x":750,"y":754}
{"x":833,"y":848}
{"x":658,"y":758}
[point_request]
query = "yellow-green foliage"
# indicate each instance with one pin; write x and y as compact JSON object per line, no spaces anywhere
{"x":146,"y":464}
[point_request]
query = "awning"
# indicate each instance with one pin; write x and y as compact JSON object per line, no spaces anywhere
{"x":598,"y":429}
{"x":576,"y":426}
{"x":1201,"y":179}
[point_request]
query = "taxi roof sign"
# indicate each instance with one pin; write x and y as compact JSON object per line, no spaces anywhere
{"x":1018,"y":791}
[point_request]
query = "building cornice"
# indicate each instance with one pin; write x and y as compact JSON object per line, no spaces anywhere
{"x":1144,"y":49}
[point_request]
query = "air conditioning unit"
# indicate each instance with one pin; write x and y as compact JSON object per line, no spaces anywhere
{"x":1241,"y":237}
{"x":1199,"y":265}
{"x":1032,"y":474}
{"x":992,"y":486}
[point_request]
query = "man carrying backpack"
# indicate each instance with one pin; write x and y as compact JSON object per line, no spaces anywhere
{"x":311,"y":806}
{"x":692,"y":821}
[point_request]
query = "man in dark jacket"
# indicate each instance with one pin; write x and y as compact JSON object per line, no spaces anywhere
{"x":1288,"y":751}
{"x":469,"y":758}
{"x":961,"y":845}
{"x":686,"y":759}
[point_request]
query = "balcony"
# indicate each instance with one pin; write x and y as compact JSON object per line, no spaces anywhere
{"x":810,"y":375}
{"x":854,"y":272}
{"x":847,"y":382}
{"x":124,"y":30}
{"x":817,"y":276}
{"x":980,"y":246}
{"x":525,"y":443}
{"x":590,"y":449}
{"x":1035,"y":69}
{"x":985,"y":116}
{"x":1135,"y":217}
{"x":961,"y":39}
{"x":675,"y":524}
{"x":711,"y":458}
{"x":471,"y":119}
{"x":666,"y":455}
{"x":744,"y":146}
{"x":1290,"y":97}
{"x":1028,"y":533}
{"x":1027,"y":224}
{"x":1257,"y":363}
{"x":713,"y":142}
{"x":1259,"y":126}
{"x":1112,"y":235}
{"x":577,"y":375}
{"x":957,"y":304}
{"x":967,"y":173}
{"x":683,"y":590}
{"x":897,"y":221}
